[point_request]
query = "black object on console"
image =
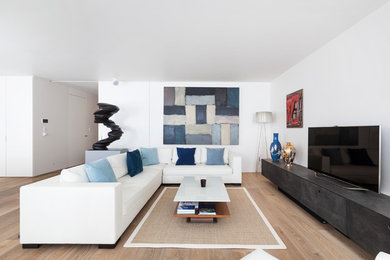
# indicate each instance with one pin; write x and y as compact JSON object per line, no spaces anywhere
{"x":102,"y":115}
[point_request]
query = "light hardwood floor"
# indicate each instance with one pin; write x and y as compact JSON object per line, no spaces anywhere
{"x":303,"y":235}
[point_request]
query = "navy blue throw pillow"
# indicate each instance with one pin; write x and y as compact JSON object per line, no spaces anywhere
{"x":186,"y":156}
{"x":134,"y":162}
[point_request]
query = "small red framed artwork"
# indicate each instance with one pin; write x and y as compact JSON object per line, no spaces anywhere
{"x":294,"y":109}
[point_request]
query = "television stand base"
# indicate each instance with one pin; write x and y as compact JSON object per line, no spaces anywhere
{"x":341,"y":183}
{"x":323,"y":221}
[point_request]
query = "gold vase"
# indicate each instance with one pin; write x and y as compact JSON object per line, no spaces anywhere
{"x":288,"y":153}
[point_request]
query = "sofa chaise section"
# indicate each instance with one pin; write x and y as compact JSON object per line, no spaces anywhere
{"x":52,"y":212}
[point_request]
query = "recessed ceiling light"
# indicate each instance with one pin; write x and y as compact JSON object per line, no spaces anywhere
{"x":115,"y":82}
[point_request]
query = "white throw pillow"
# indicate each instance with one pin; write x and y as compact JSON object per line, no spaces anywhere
{"x":164,"y":155}
{"x":197,"y":155}
{"x":74,"y":174}
{"x":118,"y":164}
{"x":204,"y":155}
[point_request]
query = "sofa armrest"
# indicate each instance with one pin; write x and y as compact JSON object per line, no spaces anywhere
{"x":235,"y":163}
{"x":70,"y":213}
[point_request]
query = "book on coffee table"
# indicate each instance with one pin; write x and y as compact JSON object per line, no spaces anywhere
{"x":187,"y":207}
{"x":207,"y":209}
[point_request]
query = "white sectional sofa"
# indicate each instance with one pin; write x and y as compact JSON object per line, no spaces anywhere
{"x":68,"y":209}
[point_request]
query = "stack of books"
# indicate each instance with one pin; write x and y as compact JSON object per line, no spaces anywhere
{"x":187,"y":207}
{"x":207,"y":209}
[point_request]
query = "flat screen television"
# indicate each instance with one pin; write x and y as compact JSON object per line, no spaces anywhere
{"x":349,"y":153}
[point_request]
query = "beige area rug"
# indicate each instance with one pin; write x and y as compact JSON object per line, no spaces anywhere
{"x":246,"y":228}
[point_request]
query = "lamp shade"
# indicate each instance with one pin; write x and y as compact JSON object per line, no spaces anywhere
{"x":263,"y":117}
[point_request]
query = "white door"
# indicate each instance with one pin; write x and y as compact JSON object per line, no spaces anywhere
{"x":3,"y":129}
{"x":77,"y":129}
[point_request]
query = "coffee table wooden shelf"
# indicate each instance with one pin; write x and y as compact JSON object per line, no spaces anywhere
{"x":221,"y":208}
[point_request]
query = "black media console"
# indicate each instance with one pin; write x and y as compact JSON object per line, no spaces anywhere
{"x":363,"y":216}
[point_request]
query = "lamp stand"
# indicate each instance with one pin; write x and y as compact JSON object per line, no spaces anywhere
{"x":262,"y":146}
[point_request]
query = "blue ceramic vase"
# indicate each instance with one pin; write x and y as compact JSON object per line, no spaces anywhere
{"x":275,"y":148}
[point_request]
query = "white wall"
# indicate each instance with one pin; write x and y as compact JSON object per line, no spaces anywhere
{"x":52,"y":101}
{"x":347,"y":82}
{"x":17,"y":118}
{"x":141,"y":113}
{"x":3,"y":128}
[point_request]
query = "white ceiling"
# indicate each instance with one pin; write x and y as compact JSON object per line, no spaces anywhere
{"x":168,"y":40}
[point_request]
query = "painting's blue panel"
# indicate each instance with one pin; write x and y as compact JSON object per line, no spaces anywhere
{"x":169,"y":134}
{"x":174,"y":110}
{"x":180,"y":134}
{"x":174,"y":134}
{"x":234,"y":135}
{"x":200,"y":100}
{"x":233,"y":97}
{"x":216,"y":134}
{"x":169,"y":96}
{"x":200,"y":91}
{"x":226,"y":111}
{"x":221,"y":97}
{"x":198,"y":139}
{"x":201,"y":114}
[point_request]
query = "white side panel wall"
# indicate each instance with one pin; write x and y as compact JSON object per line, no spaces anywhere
{"x":19,"y":128}
{"x":3,"y":128}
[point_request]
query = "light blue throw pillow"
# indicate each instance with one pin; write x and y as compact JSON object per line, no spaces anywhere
{"x":215,"y":156}
{"x":149,"y":156}
{"x":100,"y":171}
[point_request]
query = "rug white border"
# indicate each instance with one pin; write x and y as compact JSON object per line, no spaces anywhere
{"x":280,"y":244}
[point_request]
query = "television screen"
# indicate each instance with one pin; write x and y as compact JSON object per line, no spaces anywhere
{"x":351,"y":154}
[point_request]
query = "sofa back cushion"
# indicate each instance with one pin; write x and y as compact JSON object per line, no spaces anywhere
{"x":118,"y":164}
{"x":165,"y":155}
{"x":74,"y":174}
{"x":149,"y":156}
{"x":204,"y":155}
{"x":215,"y":156}
{"x":134,"y":162}
{"x":186,"y":156}
{"x":100,"y":171}
{"x":197,"y":155}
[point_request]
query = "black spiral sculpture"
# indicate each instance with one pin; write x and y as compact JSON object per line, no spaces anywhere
{"x":102,"y":115}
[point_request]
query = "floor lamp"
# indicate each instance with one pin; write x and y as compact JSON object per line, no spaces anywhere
{"x":262,"y":118}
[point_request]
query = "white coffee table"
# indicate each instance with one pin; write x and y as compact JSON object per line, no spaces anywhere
{"x":215,"y":192}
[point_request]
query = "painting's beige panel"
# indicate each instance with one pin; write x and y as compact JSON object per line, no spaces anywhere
{"x":190,"y":115}
{"x":227,"y":120}
{"x":210,"y":114}
{"x":198,"y":129}
{"x":180,"y":96}
{"x":174,"y":119}
{"x":225,"y":134}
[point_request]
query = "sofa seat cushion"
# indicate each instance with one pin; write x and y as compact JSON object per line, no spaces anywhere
{"x":133,"y":188}
{"x":197,"y":170}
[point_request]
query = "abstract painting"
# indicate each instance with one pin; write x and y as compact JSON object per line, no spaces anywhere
{"x":294,"y":109}
{"x":201,"y":115}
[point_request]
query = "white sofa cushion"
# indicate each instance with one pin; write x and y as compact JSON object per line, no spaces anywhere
{"x":134,"y":187}
{"x":203,"y":158}
{"x":165,"y":155}
{"x":74,"y":174}
{"x":196,"y":156}
{"x":197,"y":170}
{"x":118,"y":164}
